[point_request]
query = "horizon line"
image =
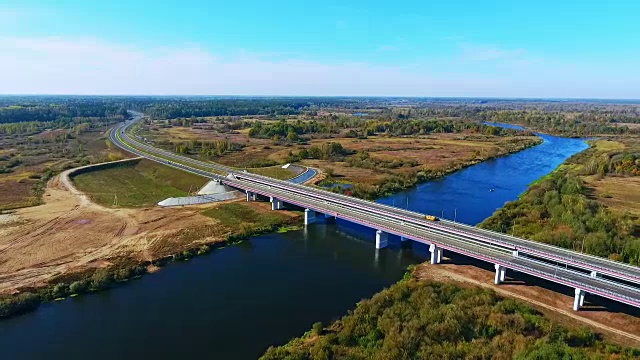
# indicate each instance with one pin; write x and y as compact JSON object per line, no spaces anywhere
{"x":327,"y":96}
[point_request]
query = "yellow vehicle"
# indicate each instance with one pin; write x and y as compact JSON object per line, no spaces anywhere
{"x":431,"y":218}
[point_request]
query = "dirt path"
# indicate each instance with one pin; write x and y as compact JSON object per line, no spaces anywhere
{"x":620,"y":327}
{"x":70,"y":232}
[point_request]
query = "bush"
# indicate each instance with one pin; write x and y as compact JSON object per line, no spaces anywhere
{"x":78,"y":287}
{"x":420,"y":320}
{"x":18,"y":304}
{"x":101,"y":279}
{"x":317,"y":328}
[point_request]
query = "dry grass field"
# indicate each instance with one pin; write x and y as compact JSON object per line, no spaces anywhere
{"x":437,"y":152}
{"x":70,"y":233}
{"x":619,"y":193}
{"x":34,"y":155}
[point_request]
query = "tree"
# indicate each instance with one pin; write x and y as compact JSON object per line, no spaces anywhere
{"x":317,"y":328}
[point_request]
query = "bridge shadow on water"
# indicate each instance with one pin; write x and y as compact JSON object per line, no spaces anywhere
{"x":593,"y":303}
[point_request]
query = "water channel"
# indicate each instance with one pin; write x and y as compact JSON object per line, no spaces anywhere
{"x":235,"y":302}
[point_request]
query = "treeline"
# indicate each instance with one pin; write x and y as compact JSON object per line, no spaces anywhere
{"x":358,"y":127}
{"x":224,"y":107}
{"x":578,"y":118}
{"x":576,"y":124}
{"x":61,"y":112}
{"x":421,"y":320}
{"x":332,"y":151}
{"x":558,"y":210}
{"x":207,"y":148}
{"x":289,"y":130}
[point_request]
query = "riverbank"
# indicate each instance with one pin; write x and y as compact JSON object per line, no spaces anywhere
{"x":297,"y":271}
{"x":71,"y":245}
{"x":575,"y":207}
{"x":136,"y":241}
{"x":617,"y":327}
{"x":431,"y":319}
{"x":400,"y":181}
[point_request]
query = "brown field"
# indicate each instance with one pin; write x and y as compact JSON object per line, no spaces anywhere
{"x":177,"y":134}
{"x":17,"y":187}
{"x":438,"y":152}
{"x":435,"y":151}
{"x":629,"y":125}
{"x":70,"y":233}
{"x":618,"y":326}
{"x":618,"y":193}
{"x":15,"y":194}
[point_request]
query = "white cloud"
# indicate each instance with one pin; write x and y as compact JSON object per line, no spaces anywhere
{"x":90,"y":66}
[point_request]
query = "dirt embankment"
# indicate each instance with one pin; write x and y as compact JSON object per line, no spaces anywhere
{"x":71,"y":233}
{"x":609,"y":318}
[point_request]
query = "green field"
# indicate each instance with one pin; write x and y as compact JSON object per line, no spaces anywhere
{"x":236,"y":214}
{"x":137,"y":184}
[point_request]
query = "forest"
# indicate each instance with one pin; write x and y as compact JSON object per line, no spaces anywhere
{"x":431,"y":320}
{"x":360,"y":127}
{"x":575,"y":118}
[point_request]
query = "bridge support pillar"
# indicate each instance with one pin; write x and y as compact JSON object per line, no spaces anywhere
{"x":515,"y":253}
{"x":309,"y":216}
{"x":501,"y":272}
{"x":251,"y":196}
{"x":381,"y":239}
{"x":275,"y":203}
{"x":594,"y":274}
{"x":578,"y":301}
{"x":436,"y":254}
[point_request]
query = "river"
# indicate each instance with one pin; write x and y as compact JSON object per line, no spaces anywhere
{"x":235,"y":302}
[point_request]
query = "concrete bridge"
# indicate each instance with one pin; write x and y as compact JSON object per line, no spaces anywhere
{"x":586,"y":274}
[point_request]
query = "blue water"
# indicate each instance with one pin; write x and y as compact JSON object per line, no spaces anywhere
{"x":506,"y":126}
{"x":235,"y":302}
{"x":305,"y":176}
{"x":465,"y":195}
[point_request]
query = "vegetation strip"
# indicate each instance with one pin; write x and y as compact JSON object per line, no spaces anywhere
{"x":419,"y":319}
{"x":559,"y":209}
{"x":242,"y":223}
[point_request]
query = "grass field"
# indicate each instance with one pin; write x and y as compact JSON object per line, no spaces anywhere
{"x":234,"y":215}
{"x":619,"y":193}
{"x":275,"y":172}
{"x":138,"y":184}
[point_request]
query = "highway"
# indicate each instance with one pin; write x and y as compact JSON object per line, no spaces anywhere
{"x":562,"y":266}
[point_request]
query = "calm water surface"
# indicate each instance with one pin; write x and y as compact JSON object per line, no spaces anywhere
{"x":466,"y":195}
{"x":235,"y":302}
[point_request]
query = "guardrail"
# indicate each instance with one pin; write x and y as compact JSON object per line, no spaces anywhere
{"x":552,"y":274}
{"x":396,"y":214}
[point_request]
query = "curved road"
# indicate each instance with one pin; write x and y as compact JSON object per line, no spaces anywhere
{"x":576,"y":270}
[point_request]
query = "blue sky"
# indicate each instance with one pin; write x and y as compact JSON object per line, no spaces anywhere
{"x":407,"y":48}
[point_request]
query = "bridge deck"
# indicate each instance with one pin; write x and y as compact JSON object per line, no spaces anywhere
{"x":468,"y":240}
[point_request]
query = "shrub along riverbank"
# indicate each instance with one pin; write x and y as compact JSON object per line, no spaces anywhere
{"x":431,"y":320}
{"x":560,"y":209}
{"x":245,"y":223}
